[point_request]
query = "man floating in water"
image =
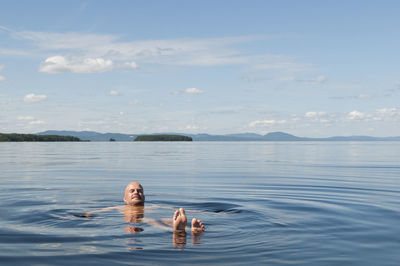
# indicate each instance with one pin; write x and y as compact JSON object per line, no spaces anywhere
{"x":133,"y":211}
{"x":134,"y":196}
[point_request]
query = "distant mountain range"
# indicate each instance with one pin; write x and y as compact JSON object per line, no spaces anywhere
{"x":273,"y":136}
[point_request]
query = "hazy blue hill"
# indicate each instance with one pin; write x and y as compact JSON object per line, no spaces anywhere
{"x":353,"y":138}
{"x":281,"y":136}
{"x":207,"y":137}
{"x":392,"y":138}
{"x":246,"y":135}
{"x":163,"y":137}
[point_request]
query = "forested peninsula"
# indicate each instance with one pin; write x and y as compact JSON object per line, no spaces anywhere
{"x":14,"y":137}
{"x":163,"y":138}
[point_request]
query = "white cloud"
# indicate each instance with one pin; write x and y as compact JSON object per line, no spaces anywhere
{"x":388,"y":111}
{"x":114,"y":93}
{"x":98,"y":122}
{"x":387,"y":114}
{"x":191,"y":127}
{"x":355,"y":115}
{"x":109,"y":46}
{"x":130,"y":65}
{"x":266,"y":122}
{"x":135,"y":102}
{"x":188,"y":91}
{"x":193,"y":91}
{"x":311,"y":114}
{"x":320,"y":79}
{"x":65,"y":41}
{"x":61,"y":64}
{"x":31,"y":98}
{"x":314,"y":114}
{"x":25,"y":118}
{"x":364,"y":96}
{"x":182,"y":52}
{"x":36,"y":122}
{"x":1,"y":77}
{"x":177,"y":92}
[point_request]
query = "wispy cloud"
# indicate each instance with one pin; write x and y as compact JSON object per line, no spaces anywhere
{"x":280,"y":63}
{"x":135,"y":102}
{"x":1,"y":77}
{"x":319,"y":79}
{"x":61,"y":64}
{"x":114,"y":93}
{"x":257,"y":123}
{"x":37,"y":122}
{"x":25,"y":118}
{"x":93,"y":122}
{"x":355,"y":115}
{"x":387,"y":114}
{"x":31,"y":98}
{"x":84,"y":53}
{"x":362,"y":96}
{"x":312,"y":114}
{"x":130,"y":65}
{"x":392,"y":91}
{"x":254,"y":78}
{"x":189,"y":91}
{"x":193,"y":91}
{"x":192,"y":127}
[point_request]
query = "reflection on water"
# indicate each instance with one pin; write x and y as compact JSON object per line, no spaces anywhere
{"x":179,"y":239}
{"x":309,"y":203}
{"x":133,"y":214}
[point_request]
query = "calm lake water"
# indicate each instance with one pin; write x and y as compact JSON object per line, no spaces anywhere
{"x":272,"y":203}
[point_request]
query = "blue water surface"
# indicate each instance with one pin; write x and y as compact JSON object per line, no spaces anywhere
{"x":271,"y":203}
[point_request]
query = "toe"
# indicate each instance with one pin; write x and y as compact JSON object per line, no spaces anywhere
{"x":176,"y":214}
{"x":201,"y":225}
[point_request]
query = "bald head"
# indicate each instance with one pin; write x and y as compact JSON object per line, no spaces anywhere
{"x":134,"y":194}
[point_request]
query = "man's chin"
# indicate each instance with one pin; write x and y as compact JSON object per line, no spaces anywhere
{"x":136,"y":202}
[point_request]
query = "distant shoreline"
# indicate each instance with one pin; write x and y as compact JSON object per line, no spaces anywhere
{"x":273,"y":136}
{"x":83,"y":136}
{"x":15,"y":137}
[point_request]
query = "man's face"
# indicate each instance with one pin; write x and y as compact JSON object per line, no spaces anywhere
{"x":134,"y":194}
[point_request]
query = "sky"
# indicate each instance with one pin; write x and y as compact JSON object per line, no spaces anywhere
{"x":308,"y":68}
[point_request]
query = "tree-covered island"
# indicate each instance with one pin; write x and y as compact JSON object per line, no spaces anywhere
{"x":14,"y":137}
{"x":162,"y":138}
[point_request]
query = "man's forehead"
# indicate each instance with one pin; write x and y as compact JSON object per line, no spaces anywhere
{"x":134,"y":185}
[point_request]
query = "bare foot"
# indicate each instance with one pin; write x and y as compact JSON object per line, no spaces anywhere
{"x":180,"y":220}
{"x":197,"y":226}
